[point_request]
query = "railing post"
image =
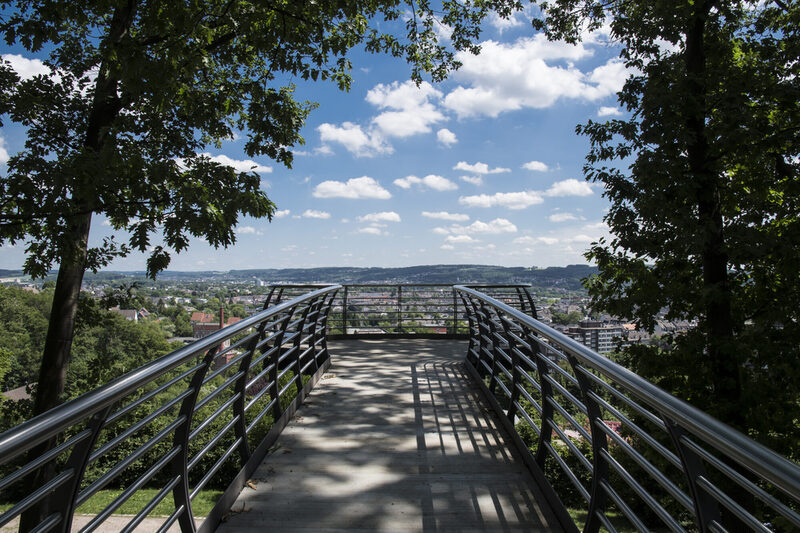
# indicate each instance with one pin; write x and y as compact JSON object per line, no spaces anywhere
{"x":344,"y":312}
{"x":180,"y":463}
{"x":274,"y":388}
{"x":399,"y":309}
{"x":454,"y":331}
{"x":538,"y":350}
{"x":64,"y":498}
{"x":706,"y":508}
{"x":598,"y":500}
{"x":297,"y":344}
{"x":515,"y":377}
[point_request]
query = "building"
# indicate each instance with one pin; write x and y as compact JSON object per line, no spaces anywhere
{"x":596,"y":335}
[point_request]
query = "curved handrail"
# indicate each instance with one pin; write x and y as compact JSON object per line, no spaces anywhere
{"x":533,"y":339}
{"x":299,"y":321}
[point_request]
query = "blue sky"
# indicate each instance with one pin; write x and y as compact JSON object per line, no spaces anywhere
{"x":482,"y":168}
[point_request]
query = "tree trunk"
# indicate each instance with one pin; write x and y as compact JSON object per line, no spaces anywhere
{"x":55,"y":360}
{"x":718,"y":317}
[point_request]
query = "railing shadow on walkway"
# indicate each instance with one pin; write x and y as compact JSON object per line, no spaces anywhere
{"x":395,"y":438}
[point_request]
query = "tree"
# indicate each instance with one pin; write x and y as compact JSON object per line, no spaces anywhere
{"x":139,"y":88}
{"x":704,"y":190}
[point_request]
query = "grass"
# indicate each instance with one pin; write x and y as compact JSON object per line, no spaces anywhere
{"x":201,"y":505}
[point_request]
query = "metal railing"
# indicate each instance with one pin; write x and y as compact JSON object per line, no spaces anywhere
{"x":200,"y":417}
{"x":404,"y":310}
{"x":602,"y":439}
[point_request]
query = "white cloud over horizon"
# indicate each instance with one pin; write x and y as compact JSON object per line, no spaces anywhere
{"x":384,"y":216}
{"x":313,"y":213}
{"x":479,"y":168}
{"x":444,"y":215}
{"x":510,"y":200}
{"x":432,"y":181}
{"x":354,"y":188}
{"x":536,"y":166}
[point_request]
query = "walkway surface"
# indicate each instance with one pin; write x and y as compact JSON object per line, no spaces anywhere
{"x":395,"y":437}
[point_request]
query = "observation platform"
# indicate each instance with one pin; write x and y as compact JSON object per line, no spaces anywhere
{"x":395,"y":437}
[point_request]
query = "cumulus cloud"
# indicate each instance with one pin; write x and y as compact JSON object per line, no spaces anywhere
{"x":406,"y":110}
{"x":448,"y":247}
{"x":502,"y":24}
{"x":432,"y":181}
{"x":384,"y":216}
{"x":446,"y":137}
{"x":494,"y":227}
{"x":26,"y":68}
{"x":510,"y":200}
{"x":313,"y":213}
{"x":444,"y":215}
{"x":606,"y":111}
{"x":240,"y":165}
{"x":354,"y":139}
{"x":479,"y":168}
{"x":562,"y":217}
{"x":475,"y":180}
{"x":536,"y":166}
{"x":247,"y":230}
{"x":460,"y":239}
{"x":410,"y":110}
{"x":528,"y":240}
{"x":531,"y":72}
{"x":282,"y":213}
{"x":355,"y":188}
{"x":569,"y":187}
{"x":371,"y":230}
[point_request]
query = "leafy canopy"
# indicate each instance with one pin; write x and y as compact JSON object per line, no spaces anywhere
{"x":138,"y":89}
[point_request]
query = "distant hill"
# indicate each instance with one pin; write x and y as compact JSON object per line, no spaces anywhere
{"x":568,"y":277}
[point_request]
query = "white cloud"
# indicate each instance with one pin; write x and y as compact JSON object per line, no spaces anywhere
{"x":524,"y":74}
{"x":384,"y":216}
{"x":432,"y":181}
{"x":444,"y":215}
{"x":562,"y":217}
{"x":605,"y":111}
{"x":354,"y":139}
{"x":243,"y":165}
{"x":502,"y":24}
{"x":460,"y":239}
{"x":357,"y":188}
{"x":479,"y":168}
{"x":3,"y":151}
{"x":441,"y":231}
{"x":313,"y":213}
{"x":528,"y":240}
{"x":569,"y":187}
{"x":536,"y":166}
{"x":370,"y":231}
{"x":411,"y":112}
{"x":580,"y":239}
{"x":282,"y":213}
{"x":475,"y":180}
{"x":494,"y":227}
{"x":511,"y":200}
{"x":448,"y":247}
{"x":548,"y":240}
{"x":26,"y":68}
{"x":248,"y":230}
{"x":446,"y":137}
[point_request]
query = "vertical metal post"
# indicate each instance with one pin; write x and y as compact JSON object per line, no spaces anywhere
{"x":455,"y":313}
{"x":344,"y":312}
{"x":399,"y":309}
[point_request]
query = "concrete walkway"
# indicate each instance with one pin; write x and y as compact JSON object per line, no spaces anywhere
{"x":394,"y":438}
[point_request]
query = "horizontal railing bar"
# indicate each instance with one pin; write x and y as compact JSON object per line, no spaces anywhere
{"x":563,"y":412}
{"x":226,"y":366}
{"x":136,"y":427}
{"x":43,"y":459}
{"x":219,"y":390}
{"x":666,"y":483}
{"x":626,"y":510}
{"x":125,"y":495}
{"x":528,"y":419}
{"x":202,"y":453}
{"x":568,"y":471}
{"x":743,"y":482}
{"x":40,"y":428}
{"x":257,"y":396}
{"x":151,"y":505}
{"x":757,"y":458}
{"x":751,"y":521}
{"x":48,"y":523}
{"x":216,"y":414}
{"x":171,"y":519}
{"x":565,"y":393}
{"x":35,"y":496}
{"x":131,"y":406}
{"x":640,"y":491}
{"x":106,"y":478}
{"x":260,"y":415}
{"x":214,"y":469}
{"x":258,"y":376}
